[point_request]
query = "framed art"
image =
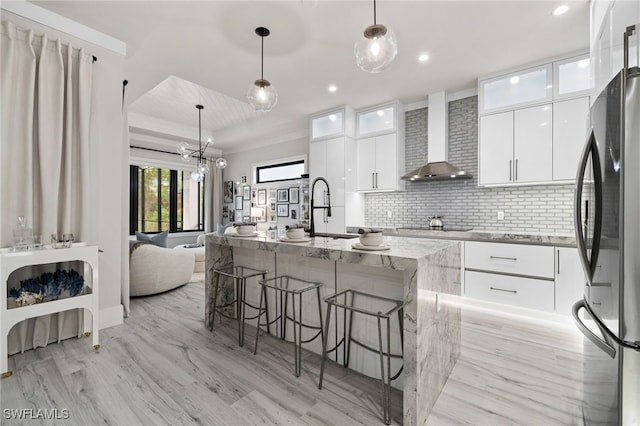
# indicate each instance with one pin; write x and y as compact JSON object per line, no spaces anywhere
{"x":239,"y":202}
{"x":246,"y":219}
{"x":294,"y":195}
{"x":273,"y":218}
{"x":254,"y":196}
{"x":293,"y":212}
{"x":283,"y":209}
{"x":246,"y":192}
{"x":262,"y":197}
{"x":232,"y":215}
{"x":273,"y":233}
{"x":228,"y":191}
{"x":238,"y":216}
{"x":246,"y":206}
{"x":225,"y":212}
{"x":283,"y":195}
{"x":272,"y":207}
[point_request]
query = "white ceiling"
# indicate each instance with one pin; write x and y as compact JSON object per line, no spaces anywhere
{"x":181,"y":53}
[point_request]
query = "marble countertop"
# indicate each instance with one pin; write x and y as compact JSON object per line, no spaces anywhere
{"x":402,"y":249}
{"x":497,"y":236}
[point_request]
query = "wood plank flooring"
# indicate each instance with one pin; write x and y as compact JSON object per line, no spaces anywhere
{"x":162,"y":367}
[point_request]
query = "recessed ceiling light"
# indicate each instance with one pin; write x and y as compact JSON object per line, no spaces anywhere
{"x":514,"y":80}
{"x":560,"y":10}
{"x":423,"y":57}
{"x":332,"y":88}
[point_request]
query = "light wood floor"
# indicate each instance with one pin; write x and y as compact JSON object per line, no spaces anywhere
{"x":162,"y":367}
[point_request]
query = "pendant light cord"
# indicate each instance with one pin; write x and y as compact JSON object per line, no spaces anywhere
{"x":262,"y":58}
{"x":374,"y":12}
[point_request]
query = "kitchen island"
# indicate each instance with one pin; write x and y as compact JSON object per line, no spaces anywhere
{"x":424,"y":273}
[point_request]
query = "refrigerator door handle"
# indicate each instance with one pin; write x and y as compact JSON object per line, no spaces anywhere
{"x":601,"y":343}
{"x":588,"y":265}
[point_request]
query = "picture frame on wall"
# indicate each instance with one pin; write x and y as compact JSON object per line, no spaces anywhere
{"x":283,"y":209}
{"x":246,"y":219}
{"x":238,"y":216}
{"x":293,"y":212}
{"x":246,"y":192}
{"x":246,"y":206}
{"x":294,"y":195}
{"x":273,"y":233}
{"x":273,"y":218}
{"x":228,"y":191}
{"x":272,"y":207}
{"x":272,"y":196}
{"x":262,"y":197}
{"x":283,"y":196}
{"x":238,"y":202}
{"x":225,"y":212}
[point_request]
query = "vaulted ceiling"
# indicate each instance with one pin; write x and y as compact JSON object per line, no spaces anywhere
{"x":180,"y":53}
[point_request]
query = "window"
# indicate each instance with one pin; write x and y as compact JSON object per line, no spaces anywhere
{"x":279,"y":172}
{"x":165,"y":200}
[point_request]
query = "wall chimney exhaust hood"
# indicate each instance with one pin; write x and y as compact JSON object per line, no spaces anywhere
{"x":437,"y":167}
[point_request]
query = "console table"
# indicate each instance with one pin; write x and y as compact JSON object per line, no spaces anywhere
{"x":87,"y":300}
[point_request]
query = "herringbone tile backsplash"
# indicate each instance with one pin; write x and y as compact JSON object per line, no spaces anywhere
{"x":544,"y":209}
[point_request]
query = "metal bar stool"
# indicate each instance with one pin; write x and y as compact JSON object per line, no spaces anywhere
{"x":239,"y":274}
{"x":348,"y":303}
{"x":285,"y":285}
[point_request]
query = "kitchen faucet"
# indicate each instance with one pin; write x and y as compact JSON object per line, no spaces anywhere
{"x":312,"y":230}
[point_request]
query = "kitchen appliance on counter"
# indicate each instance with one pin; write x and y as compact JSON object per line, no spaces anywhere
{"x":607,"y":208}
{"x":435,"y":222}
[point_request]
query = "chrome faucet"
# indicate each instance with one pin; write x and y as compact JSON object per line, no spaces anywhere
{"x":312,"y":229}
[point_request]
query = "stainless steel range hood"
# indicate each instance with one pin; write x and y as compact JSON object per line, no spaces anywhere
{"x":437,"y":168}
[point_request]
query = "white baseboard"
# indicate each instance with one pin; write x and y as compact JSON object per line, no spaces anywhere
{"x":112,"y":316}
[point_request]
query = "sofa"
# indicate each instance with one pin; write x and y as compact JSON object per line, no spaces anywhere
{"x":154,"y":269}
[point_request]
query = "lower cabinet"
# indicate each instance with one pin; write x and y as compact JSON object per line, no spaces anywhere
{"x":543,"y":278}
{"x":517,"y":291}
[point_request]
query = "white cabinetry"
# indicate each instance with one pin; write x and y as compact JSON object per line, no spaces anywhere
{"x":377,"y":163}
{"x":570,"y":130}
{"x":516,"y":147}
{"x":332,"y":156}
{"x":533,"y":123}
{"x":87,"y":300}
{"x":380,"y":148}
{"x":569,"y":278}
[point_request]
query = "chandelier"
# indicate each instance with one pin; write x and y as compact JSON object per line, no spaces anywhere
{"x":186,"y":153}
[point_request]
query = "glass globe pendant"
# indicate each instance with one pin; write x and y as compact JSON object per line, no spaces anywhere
{"x":221,"y":163}
{"x":377,"y":48}
{"x":262,"y":94}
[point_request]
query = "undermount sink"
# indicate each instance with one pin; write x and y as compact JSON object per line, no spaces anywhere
{"x":337,"y":236}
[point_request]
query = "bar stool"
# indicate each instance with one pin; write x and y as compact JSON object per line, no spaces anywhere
{"x":239,"y":274}
{"x":284,"y":286}
{"x":391,"y":306}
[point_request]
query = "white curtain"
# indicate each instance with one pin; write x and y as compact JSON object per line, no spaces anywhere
{"x":44,"y":147}
{"x":212,"y":198}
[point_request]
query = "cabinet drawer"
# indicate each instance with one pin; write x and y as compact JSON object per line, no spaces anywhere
{"x":520,"y":259}
{"x":517,"y":291}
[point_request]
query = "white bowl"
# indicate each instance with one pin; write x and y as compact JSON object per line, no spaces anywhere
{"x":371,"y":239}
{"x":295,"y":233}
{"x":244,"y":229}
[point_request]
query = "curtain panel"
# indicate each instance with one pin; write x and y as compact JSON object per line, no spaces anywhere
{"x":45,"y":107}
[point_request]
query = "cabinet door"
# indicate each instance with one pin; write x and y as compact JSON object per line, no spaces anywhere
{"x":570,"y":125}
{"x":533,"y":141}
{"x":386,"y":173}
{"x":335,"y":223}
{"x":496,"y":148}
{"x":366,"y":149}
{"x":570,"y":279}
{"x":572,"y":77}
{"x":521,"y":88}
{"x":328,"y":124}
{"x":376,"y":121}
{"x":335,"y":169}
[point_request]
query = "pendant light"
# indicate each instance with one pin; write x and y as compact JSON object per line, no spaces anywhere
{"x":377,"y":48}
{"x":262,"y":95}
{"x":186,"y":153}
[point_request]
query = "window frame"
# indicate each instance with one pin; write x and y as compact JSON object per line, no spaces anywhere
{"x":134,"y":206}
{"x":301,"y":159}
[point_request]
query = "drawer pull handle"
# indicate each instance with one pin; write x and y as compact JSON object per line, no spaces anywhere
{"x":504,"y":290}
{"x":503,"y":258}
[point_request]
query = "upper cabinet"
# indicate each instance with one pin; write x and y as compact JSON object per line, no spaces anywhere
{"x":533,"y":123}
{"x":332,"y":123}
{"x":380,"y":148}
{"x":521,"y":88}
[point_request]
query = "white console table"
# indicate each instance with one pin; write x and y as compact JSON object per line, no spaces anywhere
{"x":88,"y":300}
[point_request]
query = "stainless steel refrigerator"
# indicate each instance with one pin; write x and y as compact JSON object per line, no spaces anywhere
{"x":607,"y":216}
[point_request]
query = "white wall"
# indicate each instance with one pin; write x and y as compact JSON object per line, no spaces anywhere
{"x":108,"y":165}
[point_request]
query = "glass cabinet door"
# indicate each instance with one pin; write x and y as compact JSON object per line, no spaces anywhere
{"x":379,"y":120}
{"x":327,"y":125}
{"x":517,"y":89}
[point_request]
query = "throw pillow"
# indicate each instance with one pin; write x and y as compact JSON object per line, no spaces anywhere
{"x":159,"y":240}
